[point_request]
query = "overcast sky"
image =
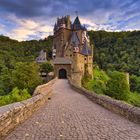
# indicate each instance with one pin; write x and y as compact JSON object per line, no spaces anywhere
{"x":34,"y":19}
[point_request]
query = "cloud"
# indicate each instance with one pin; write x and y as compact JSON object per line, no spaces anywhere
{"x":1,"y":27}
{"x":26,"y":29}
{"x":34,"y":19}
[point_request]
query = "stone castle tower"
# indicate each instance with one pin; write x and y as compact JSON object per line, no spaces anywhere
{"x":72,"y":52}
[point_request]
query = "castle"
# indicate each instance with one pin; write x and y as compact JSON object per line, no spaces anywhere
{"x":72,"y":52}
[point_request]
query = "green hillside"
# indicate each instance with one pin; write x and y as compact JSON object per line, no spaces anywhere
{"x":113,"y":51}
{"x":117,"y":50}
{"x":18,"y":71}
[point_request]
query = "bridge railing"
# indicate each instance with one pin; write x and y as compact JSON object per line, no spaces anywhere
{"x":13,"y":114}
{"x":130,"y":112}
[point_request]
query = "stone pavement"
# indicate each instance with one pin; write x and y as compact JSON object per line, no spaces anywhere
{"x":71,"y":116}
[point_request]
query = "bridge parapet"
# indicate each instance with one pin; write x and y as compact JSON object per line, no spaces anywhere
{"x":13,"y":114}
{"x":130,"y":112}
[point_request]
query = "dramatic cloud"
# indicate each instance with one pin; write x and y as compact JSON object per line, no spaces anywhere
{"x":34,"y":19}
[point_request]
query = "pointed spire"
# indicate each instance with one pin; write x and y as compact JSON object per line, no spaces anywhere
{"x":55,"y":27}
{"x":77,"y":21}
{"x":77,"y":25}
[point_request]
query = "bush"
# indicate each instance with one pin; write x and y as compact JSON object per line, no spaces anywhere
{"x":135,"y":83}
{"x":134,"y":99}
{"x":16,"y":95}
{"x":19,"y":95}
{"x":117,"y":86}
{"x":46,"y":68}
{"x":98,"y":83}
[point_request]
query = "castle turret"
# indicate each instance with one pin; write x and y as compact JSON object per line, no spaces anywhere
{"x":68,"y":22}
{"x":72,"y":51}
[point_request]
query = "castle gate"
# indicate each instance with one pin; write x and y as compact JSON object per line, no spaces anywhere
{"x":62,"y":74}
{"x":62,"y":67}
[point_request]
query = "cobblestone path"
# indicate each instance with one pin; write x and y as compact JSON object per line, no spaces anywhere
{"x":71,"y":116}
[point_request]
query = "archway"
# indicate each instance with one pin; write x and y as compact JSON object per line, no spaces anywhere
{"x":62,"y":74}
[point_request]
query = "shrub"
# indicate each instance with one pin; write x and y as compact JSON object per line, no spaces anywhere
{"x":135,"y":83}
{"x":134,"y":99}
{"x":98,"y":83}
{"x":16,"y":95}
{"x":117,"y":86}
{"x":46,"y":67}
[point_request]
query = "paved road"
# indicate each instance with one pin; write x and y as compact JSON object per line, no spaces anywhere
{"x":71,"y":116}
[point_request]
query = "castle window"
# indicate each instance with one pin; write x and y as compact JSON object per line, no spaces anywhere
{"x":70,"y":55}
{"x":85,"y":58}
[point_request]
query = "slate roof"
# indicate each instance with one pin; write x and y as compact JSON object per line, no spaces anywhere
{"x":85,"y":49}
{"x":77,"y":25}
{"x":62,"y":60}
{"x":77,"y":21}
{"x":74,"y":39}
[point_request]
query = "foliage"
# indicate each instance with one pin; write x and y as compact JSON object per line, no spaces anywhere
{"x":117,"y":50}
{"x":98,"y":83}
{"x":17,"y":68}
{"x":12,"y":51}
{"x":26,"y":75}
{"x":16,"y":95}
{"x":5,"y":80}
{"x":112,"y":84}
{"x":46,"y":67}
{"x":135,"y":83}
{"x":134,"y":99}
{"x":117,"y":86}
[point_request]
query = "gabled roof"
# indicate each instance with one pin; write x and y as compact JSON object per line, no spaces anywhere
{"x":74,"y":39}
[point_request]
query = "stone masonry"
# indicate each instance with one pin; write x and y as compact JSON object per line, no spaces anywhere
{"x":71,"y":116}
{"x":13,"y":114}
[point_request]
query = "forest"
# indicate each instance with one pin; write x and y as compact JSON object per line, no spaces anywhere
{"x":115,"y":55}
{"x":19,"y":74}
{"x":113,"y":51}
{"x":117,"y":50}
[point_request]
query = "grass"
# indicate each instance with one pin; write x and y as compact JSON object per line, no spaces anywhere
{"x":134,"y":99}
{"x":99,"y":85}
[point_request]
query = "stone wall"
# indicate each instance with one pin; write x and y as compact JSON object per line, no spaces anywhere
{"x":13,"y":114}
{"x":130,"y":112}
{"x":67,"y":67}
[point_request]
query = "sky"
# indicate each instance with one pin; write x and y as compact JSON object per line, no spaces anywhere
{"x":34,"y":19}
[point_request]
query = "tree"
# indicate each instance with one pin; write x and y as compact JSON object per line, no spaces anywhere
{"x":117,"y":49}
{"x":135,"y":83}
{"x":5,"y":81}
{"x":26,"y":75}
{"x":117,"y":86}
{"x":46,"y":68}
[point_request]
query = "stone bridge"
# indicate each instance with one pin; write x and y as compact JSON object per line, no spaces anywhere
{"x":69,"y":115}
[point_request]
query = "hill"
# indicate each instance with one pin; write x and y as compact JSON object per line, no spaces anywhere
{"x":117,"y":50}
{"x":12,"y":51}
